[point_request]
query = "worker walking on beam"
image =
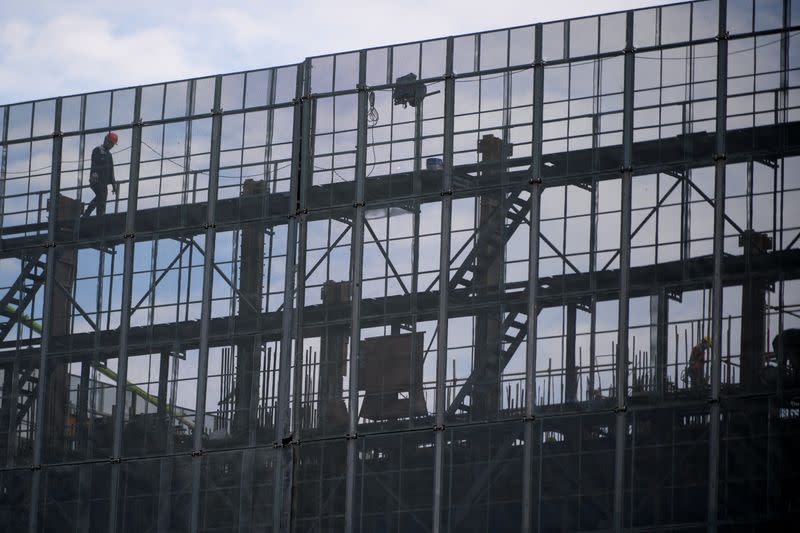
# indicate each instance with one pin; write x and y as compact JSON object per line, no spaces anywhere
{"x":102,"y":175}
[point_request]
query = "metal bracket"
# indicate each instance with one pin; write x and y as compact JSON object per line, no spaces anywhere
{"x":49,"y":244}
{"x":675,"y":295}
{"x":719,"y":157}
{"x":629,"y":50}
{"x":448,"y":192}
{"x":362,"y":87}
{"x":529,"y":418}
{"x":128,"y":235}
{"x":34,"y":468}
{"x":535,"y":181}
{"x":724,"y":37}
{"x":622,"y":409}
{"x":196,"y":453}
{"x":437,"y":427}
{"x":300,"y":212}
{"x":624,"y":169}
{"x":450,"y":76}
{"x":351,"y":436}
{"x":359,"y":204}
{"x":57,"y":134}
{"x":209,"y":225}
{"x":217,"y":111}
{"x":115,"y":460}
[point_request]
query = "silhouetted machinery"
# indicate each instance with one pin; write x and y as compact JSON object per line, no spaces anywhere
{"x":390,"y":372}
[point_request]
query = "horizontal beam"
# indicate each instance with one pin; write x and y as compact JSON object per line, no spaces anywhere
{"x":563,"y":168}
{"x":554,"y":291}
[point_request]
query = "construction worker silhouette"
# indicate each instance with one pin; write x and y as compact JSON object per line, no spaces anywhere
{"x":697,"y":363}
{"x":101,"y":175}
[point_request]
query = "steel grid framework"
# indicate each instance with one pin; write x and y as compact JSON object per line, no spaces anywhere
{"x":196,"y":358}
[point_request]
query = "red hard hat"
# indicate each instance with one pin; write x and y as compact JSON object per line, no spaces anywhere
{"x":112,"y":137}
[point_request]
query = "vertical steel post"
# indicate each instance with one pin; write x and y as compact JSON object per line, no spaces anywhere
{"x":205,"y":307}
{"x":444,"y":266}
{"x":355,"y":278}
{"x":718,"y":247}
{"x":49,"y":290}
{"x":3,"y":158}
{"x":624,"y":281}
{"x":533,"y":288}
{"x":125,"y":314}
{"x":282,"y":475}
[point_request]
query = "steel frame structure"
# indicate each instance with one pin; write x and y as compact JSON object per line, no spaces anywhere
{"x":445,"y":218}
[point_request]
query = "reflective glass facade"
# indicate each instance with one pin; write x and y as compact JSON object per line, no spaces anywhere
{"x":543,"y":278}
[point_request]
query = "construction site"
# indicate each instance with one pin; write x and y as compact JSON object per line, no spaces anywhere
{"x":543,"y":278}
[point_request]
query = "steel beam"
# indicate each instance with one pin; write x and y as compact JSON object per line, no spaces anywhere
{"x":624,"y":279}
{"x":125,"y":316}
{"x":444,"y":265}
{"x":719,"y":250}
{"x":355,"y":304}
{"x":49,"y":292}
{"x":529,"y":521}
{"x":205,"y":306}
{"x":283,"y":488}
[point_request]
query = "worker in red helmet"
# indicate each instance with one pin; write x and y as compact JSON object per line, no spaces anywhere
{"x":101,"y":175}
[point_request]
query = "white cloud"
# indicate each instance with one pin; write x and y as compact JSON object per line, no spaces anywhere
{"x":49,"y":48}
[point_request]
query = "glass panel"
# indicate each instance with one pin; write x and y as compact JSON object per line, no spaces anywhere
{"x":494,"y":50}
{"x":667,"y":479}
{"x":521,"y":48}
{"x":577,"y":473}
{"x":44,"y":117}
{"x":232,"y":92}
{"x":71,"y":113}
{"x":433,"y":58}
{"x":769,"y":15}
{"x":122,"y":109}
{"x":156,"y":494}
{"x":405,"y":60}
{"x":152,"y":102}
{"x":19,"y":121}
{"x":553,"y":41}
{"x":203,"y":95}
{"x":346,"y":72}
{"x":175,"y":102}
{"x":258,"y":88}
{"x":740,"y":16}
{"x":394,"y":482}
{"x":376,"y":66}
{"x":583,"y":37}
{"x":644,"y":28}
{"x":675,"y":24}
{"x":705,"y":19}
{"x":612,"y":32}
{"x":321,"y":74}
{"x":483,"y":457}
{"x":464,"y":57}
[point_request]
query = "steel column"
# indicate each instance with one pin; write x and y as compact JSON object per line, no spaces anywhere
{"x":624,"y":281}
{"x":282,"y":476}
{"x":49,"y":291}
{"x":444,"y":284}
{"x":125,"y":314}
{"x":205,"y":308}
{"x":355,"y":279}
{"x":719,"y":249}
{"x":533,"y":291}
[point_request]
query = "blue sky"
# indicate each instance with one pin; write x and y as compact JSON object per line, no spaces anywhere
{"x":52,"y":47}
